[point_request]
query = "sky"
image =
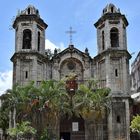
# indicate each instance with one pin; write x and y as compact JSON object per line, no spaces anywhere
{"x":60,"y":15}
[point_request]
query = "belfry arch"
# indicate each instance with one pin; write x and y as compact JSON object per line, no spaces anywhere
{"x":114,"y":37}
{"x":27,"y":38}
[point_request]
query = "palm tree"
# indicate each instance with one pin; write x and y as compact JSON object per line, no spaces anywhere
{"x":52,"y":101}
{"x":51,"y":94}
{"x":92,"y":104}
{"x":28,"y":102}
{"x":19,"y":100}
{"x":86,"y":101}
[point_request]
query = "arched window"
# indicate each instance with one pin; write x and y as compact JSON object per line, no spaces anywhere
{"x":114,"y":37}
{"x":27,"y":38}
{"x":28,"y":11}
{"x":38,"y":41}
{"x":103,"y":41}
{"x":37,"y":12}
{"x":112,"y":9}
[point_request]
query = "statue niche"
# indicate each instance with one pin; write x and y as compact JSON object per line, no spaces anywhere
{"x":27,"y":38}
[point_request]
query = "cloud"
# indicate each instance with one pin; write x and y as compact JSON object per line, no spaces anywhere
{"x":5,"y":81}
{"x":50,"y":45}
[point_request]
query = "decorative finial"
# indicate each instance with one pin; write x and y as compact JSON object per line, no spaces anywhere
{"x":70,"y":32}
{"x":86,"y":51}
{"x":55,"y":51}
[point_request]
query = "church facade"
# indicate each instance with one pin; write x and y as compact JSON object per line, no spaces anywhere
{"x":110,"y":67}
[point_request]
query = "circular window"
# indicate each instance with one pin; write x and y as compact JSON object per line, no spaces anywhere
{"x":71,"y":65}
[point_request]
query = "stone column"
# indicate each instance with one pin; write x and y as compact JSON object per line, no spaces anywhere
{"x":125,"y":75}
{"x":18,"y":72}
{"x":110,"y":135}
{"x":108,"y":72}
{"x":34,"y":69}
{"x":127,"y":119}
{"x":89,"y":129}
{"x":34,"y":37}
{"x":19,"y":38}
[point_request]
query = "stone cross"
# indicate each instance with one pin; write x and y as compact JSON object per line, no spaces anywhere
{"x":70,"y":32}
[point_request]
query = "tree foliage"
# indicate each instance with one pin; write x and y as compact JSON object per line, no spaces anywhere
{"x":21,"y":130}
{"x":4,"y":119}
{"x":135,"y":124}
{"x":47,"y":135}
{"x":87,"y":102}
{"x":90,"y":102}
{"x":4,"y":114}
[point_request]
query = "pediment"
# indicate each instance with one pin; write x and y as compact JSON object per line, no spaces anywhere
{"x":71,"y":50}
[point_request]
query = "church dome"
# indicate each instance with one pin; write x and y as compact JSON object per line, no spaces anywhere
{"x":110,"y":8}
{"x":30,"y":10}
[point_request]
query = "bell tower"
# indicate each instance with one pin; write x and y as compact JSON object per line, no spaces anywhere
{"x":111,"y":30}
{"x":30,"y":31}
{"x":112,"y":68}
{"x":28,"y":59}
{"x":112,"y":55}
